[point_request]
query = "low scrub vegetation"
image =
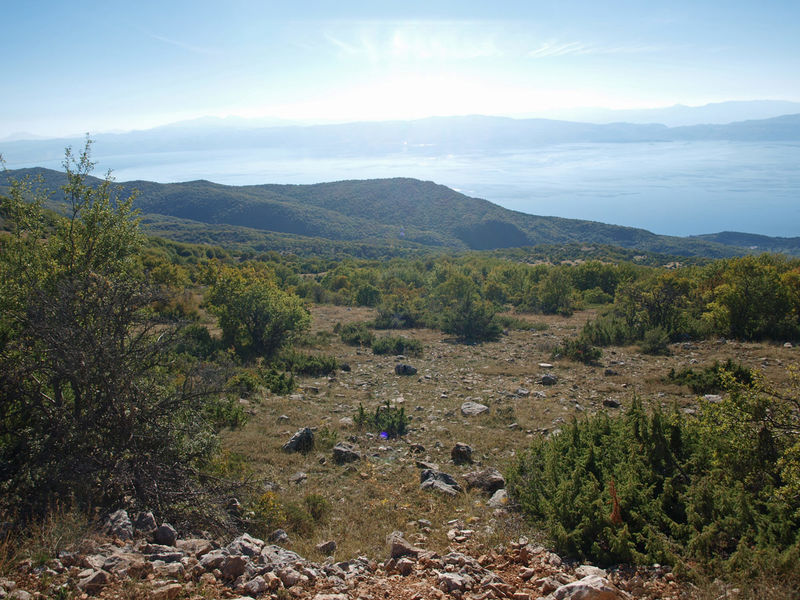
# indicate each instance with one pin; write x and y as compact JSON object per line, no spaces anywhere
{"x":720,"y":489}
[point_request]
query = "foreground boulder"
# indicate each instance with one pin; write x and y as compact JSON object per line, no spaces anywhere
{"x":440,"y":482}
{"x":301,"y":441}
{"x":489,"y":480}
{"x":345,"y":453}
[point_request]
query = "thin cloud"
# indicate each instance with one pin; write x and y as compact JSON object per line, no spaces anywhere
{"x":553,"y":49}
{"x":182,"y":45}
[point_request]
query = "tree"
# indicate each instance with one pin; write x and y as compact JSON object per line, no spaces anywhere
{"x":92,"y":409}
{"x":257,"y":318}
{"x":462,"y":311}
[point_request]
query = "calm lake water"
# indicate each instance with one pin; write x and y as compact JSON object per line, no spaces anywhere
{"x":677,"y":188}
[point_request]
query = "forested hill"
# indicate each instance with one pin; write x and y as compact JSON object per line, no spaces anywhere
{"x":385,"y":210}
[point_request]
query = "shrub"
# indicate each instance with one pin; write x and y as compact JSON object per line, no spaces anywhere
{"x":307,"y":364}
{"x":669,"y":488}
{"x":509,"y":322}
{"x":279,"y":382}
{"x":655,"y":342}
{"x":397,"y":345}
{"x":355,"y":334}
{"x":713,"y":378}
{"x":387,"y":420}
{"x":317,"y":506}
{"x":578,"y":349}
{"x":244,"y":383}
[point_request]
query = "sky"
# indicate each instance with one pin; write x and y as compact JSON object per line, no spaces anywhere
{"x":82,"y":66}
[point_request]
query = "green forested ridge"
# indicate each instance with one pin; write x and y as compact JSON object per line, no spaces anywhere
{"x":396,"y":212}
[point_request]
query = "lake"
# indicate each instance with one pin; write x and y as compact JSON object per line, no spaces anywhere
{"x":676,"y":188}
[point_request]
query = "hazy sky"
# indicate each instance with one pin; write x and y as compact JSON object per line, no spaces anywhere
{"x":72,"y":67}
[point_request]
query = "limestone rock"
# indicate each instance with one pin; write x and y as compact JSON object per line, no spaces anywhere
{"x":345,"y":453}
{"x":326,"y":548}
{"x":399,"y":546}
{"x":95,"y":581}
{"x":489,"y":480}
{"x":301,"y":441}
{"x":145,"y":522}
{"x":498,"y":500}
{"x":471,"y":408}
{"x":592,"y":587}
{"x":167,"y":592}
{"x":404,"y":369}
{"x":246,"y":545}
{"x":119,"y":525}
{"x":461,"y":453}
{"x":166,"y":535}
{"x":548,"y":379}
{"x":441,"y":482}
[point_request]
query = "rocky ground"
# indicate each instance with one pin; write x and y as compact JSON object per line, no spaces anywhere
{"x":136,"y":559}
{"x":417,"y":517}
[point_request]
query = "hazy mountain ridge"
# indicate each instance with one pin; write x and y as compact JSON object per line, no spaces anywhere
{"x":434,"y":135}
{"x":395,"y":211}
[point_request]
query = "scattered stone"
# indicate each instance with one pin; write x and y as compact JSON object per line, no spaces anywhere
{"x":611,"y":403}
{"x":473,"y":409}
{"x":404,"y":369}
{"x":301,"y":441}
{"x":166,"y":535}
{"x":498,"y":500}
{"x":489,"y":480}
{"x":298,"y":478}
{"x":431,"y":479}
{"x":94,"y":581}
{"x":256,"y":586}
{"x":587,"y":570}
{"x":246,"y":545}
{"x":167,"y":592}
{"x":233,"y":566}
{"x":345,"y":453}
{"x":610,"y":373}
{"x":461,"y":454}
{"x":788,"y":345}
{"x":405,"y":566}
{"x":545,"y":366}
{"x":714,"y":398}
{"x":326,"y":548}
{"x":145,"y":522}
{"x":523,"y":392}
{"x":20,"y":595}
{"x":195,"y":547}
{"x":399,"y":546}
{"x":279,"y":536}
{"x":548,"y":379}
{"x":119,"y":525}
{"x":589,"y":588}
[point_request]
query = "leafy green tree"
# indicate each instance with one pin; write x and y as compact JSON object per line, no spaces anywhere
{"x":257,"y":317}
{"x":461,"y":310}
{"x":91,"y":406}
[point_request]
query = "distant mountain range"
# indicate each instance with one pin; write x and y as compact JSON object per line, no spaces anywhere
{"x":390,"y":211}
{"x":425,"y":137}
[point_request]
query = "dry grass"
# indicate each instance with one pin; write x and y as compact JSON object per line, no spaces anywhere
{"x":371,"y":498}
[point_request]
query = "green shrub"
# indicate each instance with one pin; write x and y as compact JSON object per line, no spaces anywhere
{"x":355,"y":334}
{"x":597,"y":296}
{"x":609,"y":330}
{"x":578,"y":349}
{"x":655,"y":342}
{"x":326,"y":438}
{"x":307,"y":364}
{"x":279,"y":382}
{"x":387,"y":420}
{"x":711,"y":379}
{"x":509,"y":322}
{"x":397,"y":345}
{"x":317,"y":506}
{"x":244,"y":383}
{"x":225,"y":412}
{"x":195,"y":340}
{"x":671,"y":488}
